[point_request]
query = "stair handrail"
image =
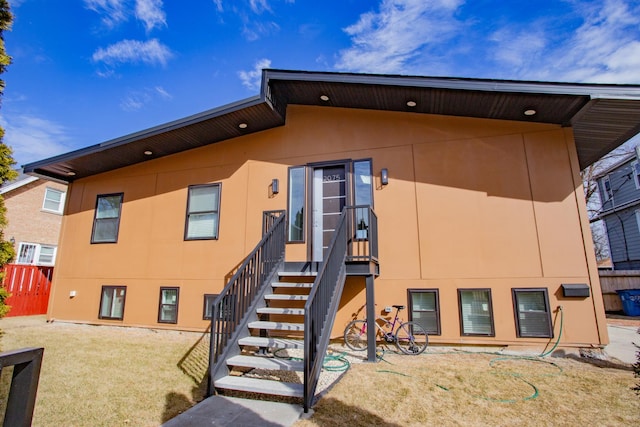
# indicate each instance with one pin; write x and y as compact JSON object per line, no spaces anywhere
{"x":321,"y":307}
{"x":233,"y":303}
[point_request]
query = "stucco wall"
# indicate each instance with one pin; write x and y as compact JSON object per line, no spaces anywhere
{"x":471,"y":203}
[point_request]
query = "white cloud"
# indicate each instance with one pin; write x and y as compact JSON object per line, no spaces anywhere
{"x":34,"y":138}
{"x":252,"y":79}
{"x":218,"y":4}
{"x":150,"y":12}
{"x":150,"y":52}
{"x":254,"y":30}
{"x":259,"y":6}
{"x":114,"y":11}
{"x":136,"y":100}
{"x":606,"y":47}
{"x":385,"y":41}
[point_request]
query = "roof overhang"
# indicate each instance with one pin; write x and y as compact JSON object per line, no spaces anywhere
{"x":602,"y":116}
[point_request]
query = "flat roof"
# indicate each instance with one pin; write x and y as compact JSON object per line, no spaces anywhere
{"x":603,"y":116}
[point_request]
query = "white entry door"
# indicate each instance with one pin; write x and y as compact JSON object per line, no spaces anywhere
{"x":329,"y":197}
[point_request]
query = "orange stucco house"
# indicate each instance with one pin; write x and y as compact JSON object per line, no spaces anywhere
{"x":477,"y":221}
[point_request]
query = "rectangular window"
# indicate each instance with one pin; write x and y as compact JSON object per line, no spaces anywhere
{"x":606,"y":188}
{"x":168,"y":310}
{"x":35,"y":254}
{"x":533,"y":317}
{"x":363,"y":196}
{"x":203,"y":212}
{"x":107,"y":218}
{"x":425,"y":309}
{"x":295,"y":217}
{"x":208,"y":303}
{"x":476,"y":312}
{"x":112,"y":302}
{"x":53,"y":200}
{"x":635,"y":167}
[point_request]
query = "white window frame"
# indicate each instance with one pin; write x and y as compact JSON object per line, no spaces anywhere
{"x":61,"y":203}
{"x":34,"y":258}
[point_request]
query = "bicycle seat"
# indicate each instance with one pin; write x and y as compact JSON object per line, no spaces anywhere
{"x":399,"y":307}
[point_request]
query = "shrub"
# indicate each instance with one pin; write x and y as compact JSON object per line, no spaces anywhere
{"x":4,"y":308}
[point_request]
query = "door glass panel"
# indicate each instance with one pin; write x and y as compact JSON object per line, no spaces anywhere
{"x":296,"y":204}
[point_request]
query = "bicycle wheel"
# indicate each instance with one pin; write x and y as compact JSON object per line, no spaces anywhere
{"x":411,"y":338}
{"x":355,"y":335}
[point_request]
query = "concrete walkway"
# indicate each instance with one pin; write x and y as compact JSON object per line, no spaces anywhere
{"x":232,"y":411}
{"x":621,"y":345}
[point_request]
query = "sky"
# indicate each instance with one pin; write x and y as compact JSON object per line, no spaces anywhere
{"x":87,"y":71}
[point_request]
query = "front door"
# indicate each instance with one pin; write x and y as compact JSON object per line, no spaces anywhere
{"x":329,"y":196}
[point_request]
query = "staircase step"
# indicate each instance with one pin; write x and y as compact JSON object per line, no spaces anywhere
{"x":279,"y":326}
{"x":271,"y":342}
{"x":254,"y":385}
{"x":285,"y":297}
{"x":277,"y":310}
{"x":272,"y":363}
{"x":292,"y":285}
{"x":297,"y":273}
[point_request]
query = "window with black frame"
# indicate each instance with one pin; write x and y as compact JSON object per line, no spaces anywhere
{"x":106,"y":222}
{"x":207,"y":310}
{"x":425,"y":309}
{"x":533,"y":317}
{"x":476,"y":312}
{"x":168,"y":307}
{"x":112,"y":300}
{"x":203,"y":212}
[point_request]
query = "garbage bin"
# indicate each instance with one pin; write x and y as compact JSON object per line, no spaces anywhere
{"x":630,"y":301}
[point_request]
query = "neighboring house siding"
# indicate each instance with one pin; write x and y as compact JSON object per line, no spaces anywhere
{"x":470,"y":204}
{"x":619,"y":207}
{"x":624,"y":238}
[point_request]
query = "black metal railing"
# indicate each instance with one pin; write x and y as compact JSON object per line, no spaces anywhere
{"x":321,"y":307}
{"x":233,"y":303}
{"x":21,"y":401}
{"x":363,"y":233}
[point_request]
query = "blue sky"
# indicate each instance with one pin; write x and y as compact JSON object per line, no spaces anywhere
{"x":86,"y":71}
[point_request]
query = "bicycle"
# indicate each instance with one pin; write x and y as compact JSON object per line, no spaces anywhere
{"x":409,"y":337}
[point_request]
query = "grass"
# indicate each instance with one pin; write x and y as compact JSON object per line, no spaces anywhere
{"x":109,"y":376}
{"x":461,"y":389}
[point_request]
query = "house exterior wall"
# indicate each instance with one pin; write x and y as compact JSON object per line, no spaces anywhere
{"x":471,"y":203}
{"x":621,"y":213}
{"x":27,"y":221}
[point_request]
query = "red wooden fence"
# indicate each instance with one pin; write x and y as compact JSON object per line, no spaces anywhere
{"x":29,"y":286}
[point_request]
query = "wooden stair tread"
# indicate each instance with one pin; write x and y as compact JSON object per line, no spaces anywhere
{"x":286,"y":297}
{"x":271,"y":342}
{"x":272,"y":363}
{"x":292,"y":284}
{"x":280,"y":326}
{"x":278,"y":310}
{"x":297,"y":273}
{"x":254,"y":385}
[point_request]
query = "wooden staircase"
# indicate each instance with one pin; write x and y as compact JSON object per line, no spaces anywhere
{"x":278,"y":323}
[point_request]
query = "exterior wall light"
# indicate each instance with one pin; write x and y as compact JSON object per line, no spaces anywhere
{"x":275,"y":186}
{"x":384,"y":176}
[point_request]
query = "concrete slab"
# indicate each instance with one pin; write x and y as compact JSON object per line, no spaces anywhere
{"x":233,"y":411}
{"x":621,"y":343}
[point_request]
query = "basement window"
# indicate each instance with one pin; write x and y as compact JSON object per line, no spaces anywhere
{"x":425,"y":309}
{"x":533,"y":317}
{"x":476,"y":312}
{"x":112,"y":302}
{"x":208,"y":306}
{"x":168,"y":307}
